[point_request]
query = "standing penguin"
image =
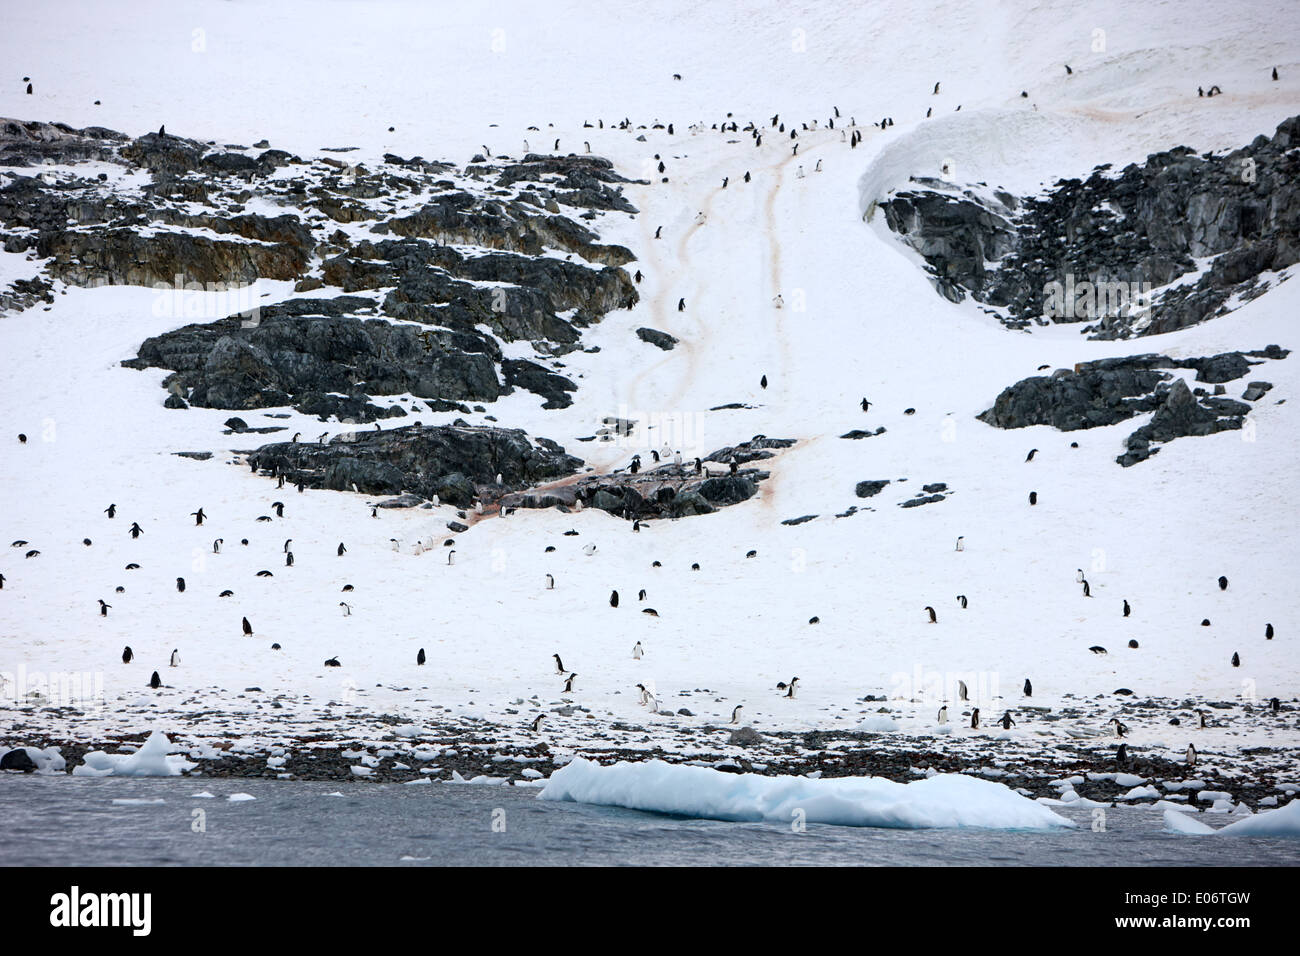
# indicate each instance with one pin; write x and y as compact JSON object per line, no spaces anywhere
{"x":1191,"y":755}
{"x":1087,"y":589}
{"x":1029,"y":688}
{"x":975,"y":719}
{"x":934,"y":618}
{"x":155,"y":681}
{"x":942,"y":718}
{"x":1006,"y":721}
{"x":763,"y":381}
{"x":198,"y":516}
{"x":1268,"y":632}
{"x":537,"y":722}
{"x":176,"y":659}
{"x":1032,"y":453}
{"x":288,"y":559}
{"x":127,"y":654}
{"x":550,"y":582}
{"x":559,"y":664}
{"x":103,"y":608}
{"x":1223,"y":583}
{"x":1236,"y":659}
{"x":111,"y":511}
{"x":1033,"y":497}
{"x":961,"y":543}
{"x":961,"y":599}
{"x":637,"y":651}
{"x":342,"y":550}
{"x":1127,"y":609}
{"x":681,"y":305}
{"x":248,"y":628}
{"x":136,"y":530}
{"x":180,"y":585}
{"x":1121,"y":755}
{"x":613,"y":599}
{"x":568,"y":683}
{"x":420,"y":658}
{"x":735,"y":713}
{"x":962,"y":693}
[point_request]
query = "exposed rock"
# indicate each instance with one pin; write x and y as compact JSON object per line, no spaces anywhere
{"x":660,"y":339}
{"x":866,"y":489}
{"x":18,"y":760}
{"x":745,"y":737}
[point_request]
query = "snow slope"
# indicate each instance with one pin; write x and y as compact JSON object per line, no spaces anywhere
{"x":313,"y":75}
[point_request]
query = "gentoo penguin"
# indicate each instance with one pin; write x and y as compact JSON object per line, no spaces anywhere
{"x":814,"y":619}
{"x":936,"y":90}
{"x":1275,"y":73}
{"x":1275,"y":705}
{"x":180,"y":585}
{"x":1268,"y":632}
{"x":568,"y":683}
{"x":1120,"y":728}
{"x":1097,"y":649}
{"x":763,"y":381}
{"x":1127,"y":609}
{"x":1029,"y":688}
{"x":287,"y":542}
{"x":347,"y":608}
{"x":975,"y":718}
{"x":537,"y":722}
{"x":613,"y":599}
{"x":735,"y":713}
{"x":288,"y":559}
{"x":1133,"y":644}
{"x":641,"y":595}
{"x":279,"y":508}
{"x":962,"y":693}
{"x":420,"y":658}
{"x":176,"y":659}
{"x":789,"y":690}
{"x":216,"y":545}
{"x":226,"y":593}
{"x":111,"y":511}
{"x":746,"y":175}
{"x":103,"y":608}
{"x":341,"y":550}
{"x":1191,"y":755}
{"x":1033,"y":497}
{"x":136,"y":530}
{"x":127,"y":654}
{"x":1201,"y":724}
{"x":1087,"y":589}
{"x":155,"y":681}
{"x":657,"y":231}
{"x":198,"y":516}
{"x":265,"y":574}
{"x":942,"y":717}
{"x":865,"y":405}
{"x":1236,"y":659}
{"x":451,"y":557}
{"x":751,"y":554}
{"x":1121,"y":755}
{"x":559,"y":664}
{"x":1032,"y":453}
{"x":248,"y":628}
{"x":934,"y":618}
{"x":681,"y":305}
{"x":1067,"y":69}
{"x":961,"y":599}
{"x":1223,"y":583}
{"x":333,"y":662}
{"x":1006,"y":721}
{"x":961,"y":543}
{"x":550,"y":582}
{"x":1078,"y":575}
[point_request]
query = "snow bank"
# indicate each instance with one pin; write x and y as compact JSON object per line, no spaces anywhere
{"x":151,"y":760}
{"x":944,"y":800}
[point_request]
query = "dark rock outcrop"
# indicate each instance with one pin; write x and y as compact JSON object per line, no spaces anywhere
{"x":656,"y":338}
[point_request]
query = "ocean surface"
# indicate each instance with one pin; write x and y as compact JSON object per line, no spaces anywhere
{"x":74,"y":821}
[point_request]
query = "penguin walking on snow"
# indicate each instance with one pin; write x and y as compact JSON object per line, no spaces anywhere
{"x":1191,"y":755}
{"x":763,"y":381}
{"x":180,"y":585}
{"x":559,"y":664}
{"x":735,"y":713}
{"x":175,"y":660}
{"x":942,"y":717}
{"x":248,"y":628}
{"x":1268,"y":632}
{"x":789,"y":690}
{"x":637,"y":651}
{"x":1029,"y":688}
{"x":103,"y":608}
{"x":961,"y":546}
{"x":961,"y":599}
{"x":111,"y":511}
{"x":962,"y":693}
{"x":681,"y":305}
{"x":198,"y":516}
{"x":155,"y":681}
{"x":1127,"y":609}
{"x":537,"y":722}
{"x":127,"y":654}
{"x":934,"y":618}
{"x":568,"y":683}
{"x":136,"y":530}
{"x":613,"y":599}
{"x":1121,"y":729}
{"x":341,"y":550}
{"x":420,"y":658}
{"x":1006,"y":721}
{"x":1223,"y":583}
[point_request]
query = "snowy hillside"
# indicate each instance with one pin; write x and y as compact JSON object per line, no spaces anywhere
{"x":860,"y":320}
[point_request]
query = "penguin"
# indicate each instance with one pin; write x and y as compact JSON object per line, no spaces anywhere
{"x":1087,"y":589}
{"x":348,"y":587}
{"x":724,"y":181}
{"x":550,"y":582}
{"x":1201,"y":714}
{"x":265,"y":574}
{"x":1223,"y":583}
{"x":175,"y":660}
{"x":735,"y":713}
{"x":216,"y":545}
{"x":641,"y":595}
{"x":537,"y":722}
{"x":746,"y":175}
{"x":1097,"y":649}
{"x":789,"y":690}
{"x":248,"y":628}
{"x":763,"y":381}
{"x":333,"y":662}
{"x":1006,"y":721}
{"x":962,"y":693}
{"x":341,"y":550}
{"x":374,"y":512}
{"x":1127,"y":609}
{"x":198,"y":516}
{"x":559,"y":664}
{"x":32,"y":553}
{"x":961,"y":599}
{"x":279,"y":508}
{"x":751,"y":554}
{"x":1275,"y":705}
{"x":1029,"y":688}
{"x":1200,"y":91}
{"x":1236,"y":659}
{"x":136,"y":530}
{"x":934,"y":618}
{"x":226,"y":593}
{"x":451,"y":557}
{"x":936,"y":90}
{"x":975,"y":718}
{"x":287,"y":542}
{"x":961,"y":545}
{"x":637,"y":651}
{"x":29,"y":89}
{"x":1120,"y":728}
{"x":1121,"y":755}
{"x":613,"y":599}
{"x":928,"y":111}
{"x":814,"y":619}
{"x":275,"y":647}
{"x":1191,"y":755}
{"x":103,"y":608}
{"x":681,"y":305}
{"x":1268,"y":632}
{"x":1133,"y":644}
{"x":568,"y":683}
{"x":651,"y":611}
{"x":942,"y":717}
{"x":111,"y":511}
{"x":1032,"y":453}
{"x":180,"y":585}
{"x":866,"y":405}
{"x":637,"y":276}
{"x":155,"y":681}
{"x":1033,"y":497}
{"x":657,"y":231}
{"x":2,"y":582}
{"x":288,"y":559}
{"x":420,"y":658}
{"x":347,"y":608}
{"x":1068,"y":71}
{"x":127,"y":654}
{"x":1205,"y":622}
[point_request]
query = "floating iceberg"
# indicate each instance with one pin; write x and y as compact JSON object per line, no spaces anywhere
{"x":1283,"y":822}
{"x":944,"y":800}
{"x":151,"y":760}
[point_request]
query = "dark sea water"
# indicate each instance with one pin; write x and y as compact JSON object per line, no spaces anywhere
{"x":72,"y":821}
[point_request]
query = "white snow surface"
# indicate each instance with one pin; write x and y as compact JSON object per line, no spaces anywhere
{"x":944,"y":800}
{"x":309,"y":75}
